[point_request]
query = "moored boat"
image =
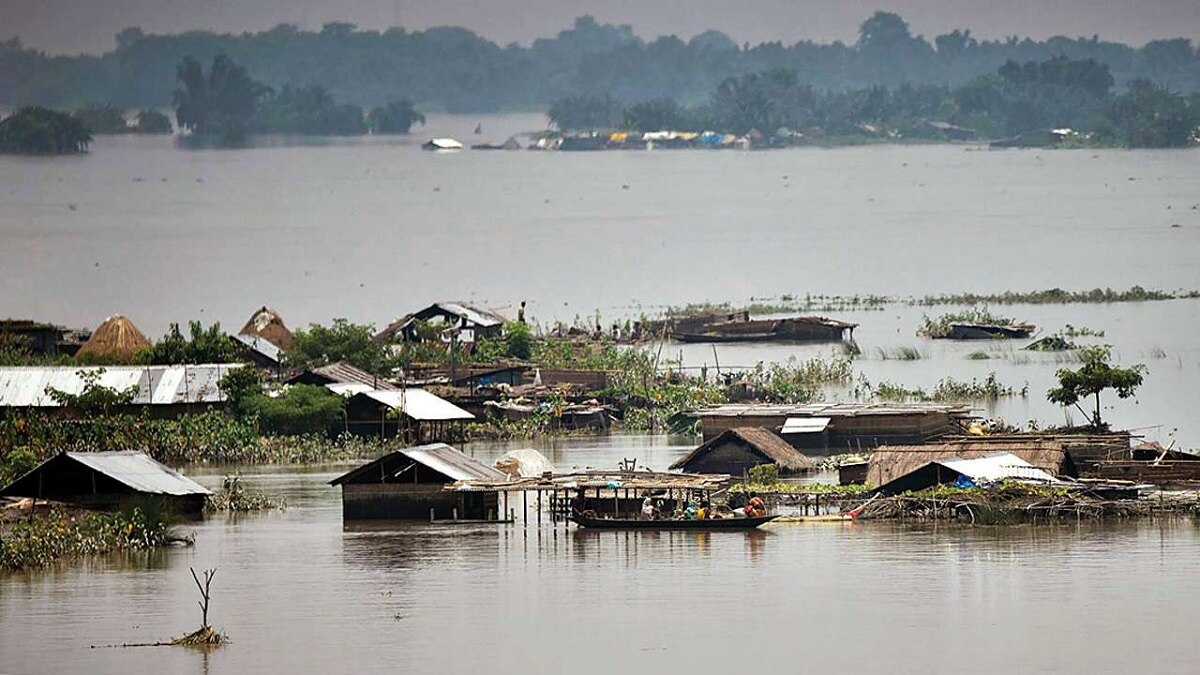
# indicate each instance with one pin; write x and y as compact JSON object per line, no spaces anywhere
{"x":747,"y":523}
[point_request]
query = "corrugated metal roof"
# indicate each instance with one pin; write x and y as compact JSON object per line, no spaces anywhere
{"x":261,"y":345}
{"x":449,"y":461}
{"x":348,"y":389}
{"x":805,"y":425}
{"x":475,"y":315}
{"x":344,"y":372}
{"x":140,"y":472}
{"x":22,"y":387}
{"x":419,"y":405}
{"x":437,"y":456}
{"x":997,"y":467}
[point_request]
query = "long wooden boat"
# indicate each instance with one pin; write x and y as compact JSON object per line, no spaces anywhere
{"x":748,"y":523}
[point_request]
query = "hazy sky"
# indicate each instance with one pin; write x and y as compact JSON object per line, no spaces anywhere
{"x":72,"y":26}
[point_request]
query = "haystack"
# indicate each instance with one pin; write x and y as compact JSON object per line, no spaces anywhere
{"x":117,"y":338}
{"x":268,"y":325}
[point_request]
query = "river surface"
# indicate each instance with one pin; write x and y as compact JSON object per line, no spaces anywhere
{"x":372,"y":228}
{"x":297,"y":591}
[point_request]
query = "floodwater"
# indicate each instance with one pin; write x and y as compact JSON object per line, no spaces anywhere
{"x":370,"y":228}
{"x":297,"y":591}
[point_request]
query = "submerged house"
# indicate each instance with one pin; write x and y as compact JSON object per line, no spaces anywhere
{"x":967,"y":473}
{"x":415,"y":415}
{"x":470,"y":323}
{"x":109,"y":480}
{"x":891,"y":462}
{"x":736,"y":451}
{"x":850,"y":426}
{"x":743,"y":329}
{"x":42,"y":338}
{"x":410,"y":484}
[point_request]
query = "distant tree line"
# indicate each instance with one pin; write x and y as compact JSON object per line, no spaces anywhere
{"x":1019,"y":97}
{"x":226,"y":101}
{"x":458,"y":71}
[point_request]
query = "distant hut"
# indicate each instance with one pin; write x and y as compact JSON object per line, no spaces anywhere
{"x":736,"y":451}
{"x":890,"y":462}
{"x":410,"y":484}
{"x":108,"y":480}
{"x":268,"y":325}
{"x":117,"y":339}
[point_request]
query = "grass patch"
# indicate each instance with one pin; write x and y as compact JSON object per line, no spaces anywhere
{"x":62,"y":535}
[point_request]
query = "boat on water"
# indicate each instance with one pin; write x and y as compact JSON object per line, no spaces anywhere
{"x":747,"y":523}
{"x":437,"y":144}
{"x":980,"y":331}
{"x":814,"y":328}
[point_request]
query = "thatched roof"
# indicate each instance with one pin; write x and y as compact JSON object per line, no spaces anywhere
{"x":892,"y":461}
{"x":756,"y":439}
{"x":116,"y":338}
{"x":268,"y":325}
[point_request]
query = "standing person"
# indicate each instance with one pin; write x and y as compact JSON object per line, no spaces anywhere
{"x":648,"y":510}
{"x":521,"y":313}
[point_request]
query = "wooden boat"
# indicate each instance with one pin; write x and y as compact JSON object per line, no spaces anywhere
{"x":801,"y":328}
{"x":748,"y":523}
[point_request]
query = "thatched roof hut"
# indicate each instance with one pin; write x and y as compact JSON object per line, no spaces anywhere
{"x":268,"y":325}
{"x":736,"y":451}
{"x":892,"y":461}
{"x":117,"y":338}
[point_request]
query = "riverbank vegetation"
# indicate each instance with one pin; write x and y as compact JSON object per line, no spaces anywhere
{"x":63,"y":533}
{"x":234,"y":497}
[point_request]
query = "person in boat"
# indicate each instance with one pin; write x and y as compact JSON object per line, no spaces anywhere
{"x":755,"y":506}
{"x":692,"y":510}
{"x":578,"y":503}
{"x":649,"y":511}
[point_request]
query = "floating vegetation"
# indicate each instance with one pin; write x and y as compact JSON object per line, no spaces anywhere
{"x":234,"y":497}
{"x":942,"y":325}
{"x":798,"y":381}
{"x":1081,"y":331}
{"x":1055,"y":296}
{"x":949,"y":389}
{"x":204,"y":637}
{"x":979,"y":356}
{"x":62,"y":534}
{"x":1051,"y":343}
{"x":900,"y":354}
{"x":1158,"y":353}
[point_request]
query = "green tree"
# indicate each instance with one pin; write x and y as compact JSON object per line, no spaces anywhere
{"x":308,"y":110}
{"x":204,"y":345}
{"x":240,"y":385}
{"x":223,"y":102}
{"x":299,"y":409}
{"x":94,"y":398}
{"x":518,"y":340}
{"x":341,"y":341}
{"x":657,"y":115}
{"x":152,"y":122}
{"x":1148,"y":116}
{"x":1094,"y":376}
{"x":585,"y":113}
{"x":397,"y":117}
{"x":41,"y":131}
{"x":102,"y":119}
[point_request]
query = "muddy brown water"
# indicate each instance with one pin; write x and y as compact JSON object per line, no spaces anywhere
{"x":298,"y":591}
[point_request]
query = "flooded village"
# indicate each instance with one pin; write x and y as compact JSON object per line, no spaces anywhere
{"x":507,"y":341}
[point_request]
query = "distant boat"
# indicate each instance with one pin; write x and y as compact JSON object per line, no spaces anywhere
{"x":442,"y":144}
{"x":979,"y":331}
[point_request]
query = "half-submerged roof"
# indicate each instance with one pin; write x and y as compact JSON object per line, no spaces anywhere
{"x":892,"y":461}
{"x":471,"y":314}
{"x":979,"y":470}
{"x":762,"y":442}
{"x":136,"y":470}
{"x":830,"y":409}
{"x":418,"y":404}
{"x":26,"y":386}
{"x":446,"y":460}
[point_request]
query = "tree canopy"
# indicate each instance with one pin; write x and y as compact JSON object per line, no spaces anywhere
{"x":40,"y":131}
{"x":341,"y":341}
{"x":454,"y":69}
{"x":1094,"y":376}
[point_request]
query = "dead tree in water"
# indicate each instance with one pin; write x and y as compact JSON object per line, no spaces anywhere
{"x":205,"y":636}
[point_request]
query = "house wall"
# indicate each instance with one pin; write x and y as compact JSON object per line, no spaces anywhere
{"x":409,"y":501}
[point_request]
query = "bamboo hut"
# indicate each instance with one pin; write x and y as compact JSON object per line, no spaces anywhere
{"x":268,"y":325}
{"x":117,"y":338}
{"x":892,"y":461}
{"x":736,"y":451}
